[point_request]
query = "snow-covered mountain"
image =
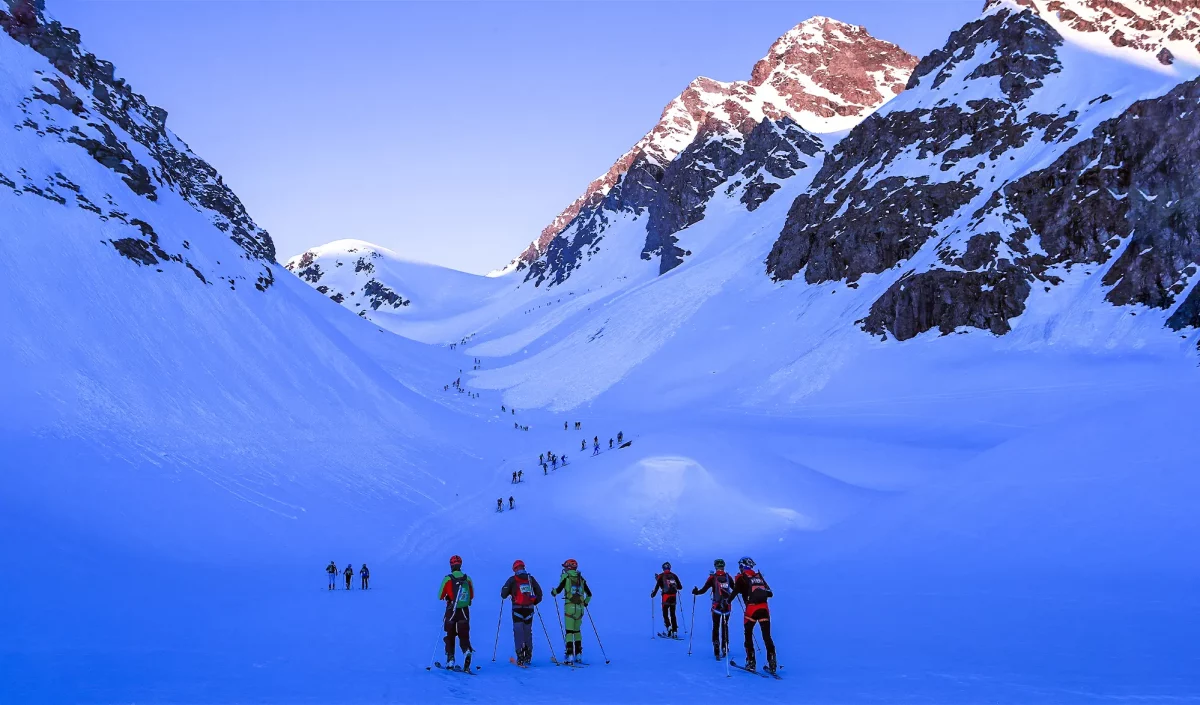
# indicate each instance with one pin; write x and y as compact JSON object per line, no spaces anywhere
{"x":1018,"y":160}
{"x":822,"y":76}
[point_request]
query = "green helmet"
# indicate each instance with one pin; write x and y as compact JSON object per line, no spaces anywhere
{"x":719,"y":563}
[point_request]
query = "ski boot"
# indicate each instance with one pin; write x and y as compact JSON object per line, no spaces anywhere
{"x":449,"y":663}
{"x":467,"y":661}
{"x":569,"y":657}
{"x":751,"y":664}
{"x":771,"y":665}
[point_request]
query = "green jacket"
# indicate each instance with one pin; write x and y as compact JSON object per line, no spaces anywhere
{"x":575,"y":587}
{"x":457,"y":589}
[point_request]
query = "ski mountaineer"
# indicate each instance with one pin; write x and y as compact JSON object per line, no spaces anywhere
{"x":582,"y":445}
{"x":333,"y":571}
{"x":526,"y":594}
{"x":620,"y":436}
{"x":564,"y":425}
{"x":610,"y":444}
{"x":514,"y":477}
{"x":722,"y":586}
{"x":564,"y":462}
{"x":499,"y":504}
{"x":669,"y":583}
{"x":554,"y":463}
{"x":458,"y":591}
{"x":365,"y":576}
{"x":520,"y":476}
{"x":349,"y":573}
{"x":576,"y":597}
{"x":596,"y":449}
{"x":753,"y":589}
{"x":510,"y":501}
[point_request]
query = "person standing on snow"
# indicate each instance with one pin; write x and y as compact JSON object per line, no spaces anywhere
{"x":510,"y":501}
{"x":610,"y":444}
{"x":564,"y":425}
{"x":753,"y":589}
{"x":349,"y":573}
{"x":520,"y":476}
{"x":583,"y":445}
{"x":364,"y":575}
{"x":332,"y":570}
{"x":620,"y":436}
{"x":457,"y":590}
{"x":499,"y":504}
{"x":669,"y":583}
{"x":722,"y":586}
{"x":596,"y":448}
{"x":525,"y":592}
{"x":576,"y":597}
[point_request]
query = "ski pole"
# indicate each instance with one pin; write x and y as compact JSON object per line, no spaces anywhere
{"x":597,"y":633}
{"x":433,"y":656}
{"x":499,"y":618}
{"x":693,"y":632}
{"x":547,"y":633}
{"x":652,"y":630}
{"x":561,"y":632}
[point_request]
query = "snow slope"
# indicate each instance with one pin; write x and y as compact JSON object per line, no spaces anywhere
{"x":968,"y":518}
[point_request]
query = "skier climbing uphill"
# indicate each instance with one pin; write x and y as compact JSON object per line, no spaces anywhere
{"x":576,"y":596}
{"x":458,"y":591}
{"x":332,"y":570}
{"x":753,"y":589}
{"x":722,"y":586}
{"x":526,"y":594}
{"x":349,"y":573}
{"x":669,"y":584}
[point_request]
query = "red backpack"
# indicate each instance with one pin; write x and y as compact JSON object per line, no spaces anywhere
{"x":522,"y":595}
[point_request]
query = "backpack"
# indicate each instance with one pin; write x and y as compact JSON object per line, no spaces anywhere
{"x":574,"y":592}
{"x":722,"y":591}
{"x":461,"y":589}
{"x":670,"y":584}
{"x":522,"y":595}
{"x":758,"y":585}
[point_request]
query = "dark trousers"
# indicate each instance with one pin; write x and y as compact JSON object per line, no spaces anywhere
{"x":457,"y":623}
{"x":763,"y":619}
{"x":347,"y":582}
{"x":669,"y":621}
{"x":720,"y":631}
{"x":522,"y":618}
{"x":364,"y":582}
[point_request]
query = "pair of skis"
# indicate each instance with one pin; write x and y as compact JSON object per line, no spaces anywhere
{"x":455,"y":669}
{"x":763,"y":673}
{"x":664,"y":635}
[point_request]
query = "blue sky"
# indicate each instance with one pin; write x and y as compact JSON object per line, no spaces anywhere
{"x":450,"y":132}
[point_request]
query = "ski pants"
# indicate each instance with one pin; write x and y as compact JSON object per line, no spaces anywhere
{"x":763,"y":618}
{"x":332,"y":581}
{"x":348,"y":579}
{"x":522,"y":618}
{"x":573,"y":620}
{"x":364,"y":582}
{"x":668,"y":607}
{"x":720,"y":630}
{"x":457,"y":623}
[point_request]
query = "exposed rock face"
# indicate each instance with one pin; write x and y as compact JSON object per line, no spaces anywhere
{"x":348,"y":276}
{"x":822,"y":75}
{"x":1160,"y":28}
{"x":78,"y":100}
{"x":858,"y":218}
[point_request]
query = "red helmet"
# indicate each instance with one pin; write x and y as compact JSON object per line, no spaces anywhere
{"x":455,"y":560}
{"x":571,"y":564}
{"x":518,"y":565}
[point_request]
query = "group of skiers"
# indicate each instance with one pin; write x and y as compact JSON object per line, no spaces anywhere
{"x":525,"y":594}
{"x":549,"y":460}
{"x":364,"y":575}
{"x":500,"y":503}
{"x":596,"y":443}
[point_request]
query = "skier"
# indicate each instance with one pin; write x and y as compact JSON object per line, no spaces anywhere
{"x":753,"y":589}
{"x":564,"y":425}
{"x":525,"y":592}
{"x":564,"y":460}
{"x":596,"y":440}
{"x":502,"y":409}
{"x":596,"y":448}
{"x":365,"y":576}
{"x":541,"y":457}
{"x":545,"y":471}
{"x":349,"y":573}
{"x":669,"y":583}
{"x":499,"y":504}
{"x":510,"y":502}
{"x":620,"y":436}
{"x":582,"y":445}
{"x":554,"y":463}
{"x":610,"y":444}
{"x":333,"y":571}
{"x":514,"y":477}
{"x":458,"y":591}
{"x":722,"y":586}
{"x":520,"y":476}
{"x":576,"y":598}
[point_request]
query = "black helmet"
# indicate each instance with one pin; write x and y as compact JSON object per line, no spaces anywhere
{"x":666,"y":565}
{"x":746,"y":562}
{"x":719,"y":563}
